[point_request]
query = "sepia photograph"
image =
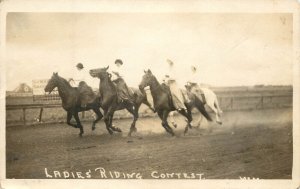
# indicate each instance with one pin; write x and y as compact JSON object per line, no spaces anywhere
{"x":174,"y":95}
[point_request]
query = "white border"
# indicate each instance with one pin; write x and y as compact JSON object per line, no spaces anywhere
{"x":205,"y":6}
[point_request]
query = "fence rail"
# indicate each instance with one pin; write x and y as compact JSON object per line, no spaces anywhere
{"x":255,"y":102}
{"x":32,"y":106}
{"x":227,"y":103}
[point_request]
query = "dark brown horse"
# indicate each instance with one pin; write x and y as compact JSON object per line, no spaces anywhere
{"x":70,"y":97}
{"x":163,"y":103}
{"x":109,"y":100}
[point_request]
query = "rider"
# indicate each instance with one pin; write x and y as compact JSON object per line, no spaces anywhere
{"x":79,"y":76}
{"x":124,"y":93}
{"x":86,"y":92}
{"x":193,"y":83}
{"x":177,"y":96}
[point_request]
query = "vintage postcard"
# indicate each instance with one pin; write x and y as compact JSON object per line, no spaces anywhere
{"x":150,"y":94}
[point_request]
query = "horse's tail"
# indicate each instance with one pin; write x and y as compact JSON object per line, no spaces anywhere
{"x":202,"y":110}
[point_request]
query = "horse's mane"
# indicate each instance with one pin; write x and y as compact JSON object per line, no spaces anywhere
{"x":64,"y":81}
{"x":161,"y":86}
{"x":110,"y":84}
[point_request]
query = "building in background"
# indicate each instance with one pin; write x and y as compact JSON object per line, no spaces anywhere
{"x":22,"y":90}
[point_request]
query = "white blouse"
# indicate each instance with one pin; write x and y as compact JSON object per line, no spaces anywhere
{"x":116,"y":72}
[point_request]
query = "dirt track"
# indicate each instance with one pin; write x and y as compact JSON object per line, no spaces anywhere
{"x":249,"y":144}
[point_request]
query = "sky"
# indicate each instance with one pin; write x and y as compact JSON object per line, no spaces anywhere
{"x":230,"y":49}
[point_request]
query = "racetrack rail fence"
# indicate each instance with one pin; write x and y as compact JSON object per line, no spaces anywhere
{"x":36,"y":110}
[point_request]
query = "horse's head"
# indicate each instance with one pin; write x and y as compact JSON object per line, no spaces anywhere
{"x":147,"y":79}
{"x":100,"y":73}
{"x":52,"y":83}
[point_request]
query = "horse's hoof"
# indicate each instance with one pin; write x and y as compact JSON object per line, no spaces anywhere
{"x":110,"y":132}
{"x":185,"y":131}
{"x":93,"y":128}
{"x":219,"y":122}
{"x":80,"y":134}
{"x":118,"y":130}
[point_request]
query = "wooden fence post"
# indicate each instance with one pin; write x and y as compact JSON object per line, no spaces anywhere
{"x":24,"y":116}
{"x":41,"y":114}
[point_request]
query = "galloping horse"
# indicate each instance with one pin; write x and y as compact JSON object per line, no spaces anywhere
{"x":109,"y":100}
{"x":70,"y":97}
{"x":163,"y":103}
{"x":211,"y":101}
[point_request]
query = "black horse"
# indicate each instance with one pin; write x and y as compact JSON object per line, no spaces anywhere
{"x":70,"y":97}
{"x":109,"y":100}
{"x":163,"y":101}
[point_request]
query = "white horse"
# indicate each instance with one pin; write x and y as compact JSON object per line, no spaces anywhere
{"x":211,"y":102}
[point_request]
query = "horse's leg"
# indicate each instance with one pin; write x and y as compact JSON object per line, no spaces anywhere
{"x":107,"y":121}
{"x":147,"y":103}
{"x":188,"y":115}
{"x":99,"y":117}
{"x":216,"y":104}
{"x":165,"y":120}
{"x":134,"y":111}
{"x":198,"y":123}
{"x":189,"y":112}
{"x":172,"y":119}
{"x":110,"y":122}
{"x":78,"y":123}
{"x":218,"y":112}
{"x":69,"y":117}
{"x":160,"y":115}
{"x":214,"y":109}
{"x":200,"y":107}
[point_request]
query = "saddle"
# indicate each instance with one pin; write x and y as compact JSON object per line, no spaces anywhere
{"x":166,"y":88}
{"x":86,"y":94}
{"x":123,"y":91}
{"x":194,"y":89}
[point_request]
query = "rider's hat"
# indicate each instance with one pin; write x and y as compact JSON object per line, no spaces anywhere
{"x":119,"y":61}
{"x":193,"y":68}
{"x":170,"y":62}
{"x":79,"y":65}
